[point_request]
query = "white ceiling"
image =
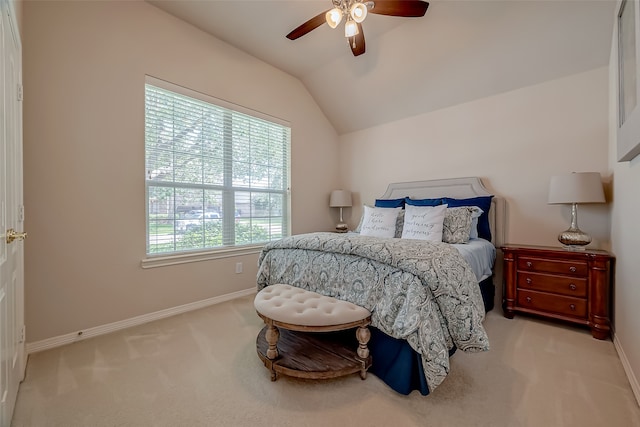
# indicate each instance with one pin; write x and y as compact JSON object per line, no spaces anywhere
{"x":459,"y":51}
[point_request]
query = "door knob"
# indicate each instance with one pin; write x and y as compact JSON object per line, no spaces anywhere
{"x":14,"y":235}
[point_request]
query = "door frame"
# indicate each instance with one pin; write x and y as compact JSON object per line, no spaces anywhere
{"x":12,"y":339}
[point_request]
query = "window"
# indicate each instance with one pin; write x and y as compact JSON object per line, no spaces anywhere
{"x":217,"y":175}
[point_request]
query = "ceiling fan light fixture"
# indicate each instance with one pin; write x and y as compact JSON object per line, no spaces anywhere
{"x":333,"y":17}
{"x":350,"y":28}
{"x":358,"y":12}
{"x":353,"y":13}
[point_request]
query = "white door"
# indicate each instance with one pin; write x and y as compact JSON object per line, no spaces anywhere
{"x":12,"y":360}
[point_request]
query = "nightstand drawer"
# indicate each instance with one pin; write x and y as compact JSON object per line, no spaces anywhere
{"x":574,"y":268}
{"x":532,"y":300}
{"x":570,"y":286}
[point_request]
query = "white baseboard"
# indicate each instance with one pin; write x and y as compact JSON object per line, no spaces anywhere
{"x":635,"y":386}
{"x":58,"y":341}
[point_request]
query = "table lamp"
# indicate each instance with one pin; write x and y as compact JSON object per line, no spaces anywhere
{"x":575,"y":188}
{"x":340,"y":199}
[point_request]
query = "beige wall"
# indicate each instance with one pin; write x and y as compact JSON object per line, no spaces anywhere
{"x":514,"y":141}
{"x":84,"y":68}
{"x":625,"y":236}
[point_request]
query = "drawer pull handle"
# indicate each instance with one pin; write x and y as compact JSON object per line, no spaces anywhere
{"x":528,"y":299}
{"x":572,"y":287}
{"x":572,"y":307}
{"x":529,"y":264}
{"x":528,"y":280}
{"x":573,"y":269}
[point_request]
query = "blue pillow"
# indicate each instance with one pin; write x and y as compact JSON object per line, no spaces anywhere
{"x":389,"y":203}
{"x":484,"y":203}
{"x":423,"y":202}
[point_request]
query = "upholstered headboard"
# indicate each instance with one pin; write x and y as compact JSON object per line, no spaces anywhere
{"x":457,"y":188}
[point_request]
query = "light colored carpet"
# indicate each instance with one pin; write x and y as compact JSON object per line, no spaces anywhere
{"x":201,"y":369}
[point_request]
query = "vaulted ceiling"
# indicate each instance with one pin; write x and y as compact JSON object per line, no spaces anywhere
{"x":459,"y":51}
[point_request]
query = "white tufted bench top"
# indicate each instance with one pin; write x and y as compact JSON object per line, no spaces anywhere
{"x":296,"y":306}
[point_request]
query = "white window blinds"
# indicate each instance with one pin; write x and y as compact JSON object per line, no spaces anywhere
{"x":215,"y":176}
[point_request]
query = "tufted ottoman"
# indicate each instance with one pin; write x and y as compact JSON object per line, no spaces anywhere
{"x":285,"y":344}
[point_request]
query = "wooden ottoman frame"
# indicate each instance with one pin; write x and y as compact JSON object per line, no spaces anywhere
{"x":305,"y":349}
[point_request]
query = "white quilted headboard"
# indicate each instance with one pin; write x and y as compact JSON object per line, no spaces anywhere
{"x":457,"y":188}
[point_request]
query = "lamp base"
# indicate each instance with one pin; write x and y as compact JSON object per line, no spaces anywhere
{"x":574,"y":239}
{"x":341,"y":227}
{"x":574,"y":248}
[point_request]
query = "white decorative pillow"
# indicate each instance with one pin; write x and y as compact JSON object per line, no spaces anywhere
{"x":424,"y":222}
{"x":457,"y":224}
{"x":379,"y":222}
{"x":474,"y":222}
{"x":399,"y":222}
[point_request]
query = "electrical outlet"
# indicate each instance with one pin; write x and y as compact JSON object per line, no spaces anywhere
{"x":238,"y":267}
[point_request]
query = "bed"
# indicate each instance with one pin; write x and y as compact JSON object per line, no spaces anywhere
{"x":427,"y":299}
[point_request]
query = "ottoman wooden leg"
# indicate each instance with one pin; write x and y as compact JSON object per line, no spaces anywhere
{"x":363,"y":334}
{"x":272,"y":334}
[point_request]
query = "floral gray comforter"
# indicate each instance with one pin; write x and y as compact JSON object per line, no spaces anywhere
{"x":423,"y":292}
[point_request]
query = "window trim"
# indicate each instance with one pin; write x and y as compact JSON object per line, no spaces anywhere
{"x":152,"y":261}
{"x":163,"y":84}
{"x":225,"y":251}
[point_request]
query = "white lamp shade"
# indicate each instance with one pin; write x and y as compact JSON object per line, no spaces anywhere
{"x":350,"y":29}
{"x":340,"y":199}
{"x":358,"y":12}
{"x":333,"y":17}
{"x":577,"y":187}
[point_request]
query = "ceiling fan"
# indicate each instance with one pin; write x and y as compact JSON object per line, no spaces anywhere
{"x":354,"y":12}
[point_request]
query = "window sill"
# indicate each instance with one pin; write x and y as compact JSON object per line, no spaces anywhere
{"x":163,"y":261}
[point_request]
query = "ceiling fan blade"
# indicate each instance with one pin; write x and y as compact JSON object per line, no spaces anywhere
{"x":357,"y":42}
{"x":406,"y":8}
{"x":308,"y":26}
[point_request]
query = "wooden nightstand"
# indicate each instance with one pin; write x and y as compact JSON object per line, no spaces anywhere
{"x":573,"y":286}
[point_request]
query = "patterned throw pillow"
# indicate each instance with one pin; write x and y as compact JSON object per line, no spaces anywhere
{"x":379,"y":222}
{"x":423,"y":222}
{"x":457,"y":224}
{"x":484,"y":203}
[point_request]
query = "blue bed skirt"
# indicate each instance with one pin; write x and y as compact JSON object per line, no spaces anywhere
{"x":400,"y":366}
